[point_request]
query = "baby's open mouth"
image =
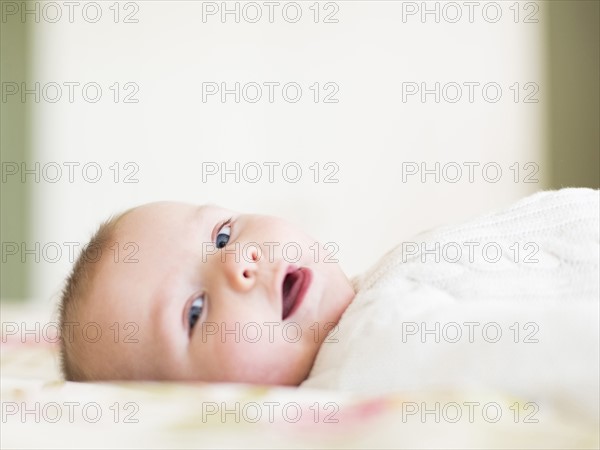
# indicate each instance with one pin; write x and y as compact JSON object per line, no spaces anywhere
{"x":295,"y":285}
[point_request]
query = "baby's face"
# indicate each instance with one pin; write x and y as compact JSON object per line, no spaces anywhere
{"x":213,"y":296}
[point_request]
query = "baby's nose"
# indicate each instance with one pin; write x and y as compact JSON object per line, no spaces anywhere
{"x":241,"y":268}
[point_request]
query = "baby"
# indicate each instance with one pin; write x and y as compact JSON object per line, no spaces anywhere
{"x":507,"y":302}
{"x":173,"y":291}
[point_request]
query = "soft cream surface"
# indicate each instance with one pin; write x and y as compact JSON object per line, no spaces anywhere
{"x":402,"y":330}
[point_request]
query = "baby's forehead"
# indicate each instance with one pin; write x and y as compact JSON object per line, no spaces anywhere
{"x":116,"y":323}
{"x":120,"y":349}
{"x":145,"y":259}
{"x":160,"y":209}
{"x":156,"y":214}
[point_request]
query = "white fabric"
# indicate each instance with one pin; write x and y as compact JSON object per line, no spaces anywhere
{"x":554,"y":301}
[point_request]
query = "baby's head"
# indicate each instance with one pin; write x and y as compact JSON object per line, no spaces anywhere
{"x":173,"y":291}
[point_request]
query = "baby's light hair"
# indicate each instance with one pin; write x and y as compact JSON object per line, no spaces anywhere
{"x":76,"y":289}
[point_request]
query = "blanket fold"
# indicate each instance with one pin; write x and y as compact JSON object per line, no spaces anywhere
{"x":508,"y":302}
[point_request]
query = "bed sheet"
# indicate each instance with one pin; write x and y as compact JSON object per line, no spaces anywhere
{"x":40,"y":410}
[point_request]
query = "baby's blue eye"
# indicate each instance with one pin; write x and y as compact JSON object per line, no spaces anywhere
{"x":195,"y":312}
{"x":223,"y":236}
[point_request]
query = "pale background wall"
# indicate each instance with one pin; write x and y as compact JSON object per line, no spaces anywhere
{"x":369,"y":133}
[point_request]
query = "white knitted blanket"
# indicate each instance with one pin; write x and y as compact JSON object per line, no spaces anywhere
{"x":507,"y":303}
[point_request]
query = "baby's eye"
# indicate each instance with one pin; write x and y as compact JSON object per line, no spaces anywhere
{"x":195,"y":312}
{"x":224,"y":233}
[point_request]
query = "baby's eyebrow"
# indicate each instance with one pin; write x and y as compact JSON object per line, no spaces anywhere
{"x":201,"y":210}
{"x":167,"y":305}
{"x":167,"y":338}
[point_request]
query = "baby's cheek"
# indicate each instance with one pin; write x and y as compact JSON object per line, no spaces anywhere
{"x":265,"y":360}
